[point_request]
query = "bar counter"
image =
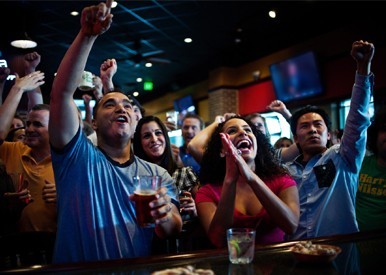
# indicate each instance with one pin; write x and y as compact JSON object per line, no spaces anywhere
{"x":362,"y":253}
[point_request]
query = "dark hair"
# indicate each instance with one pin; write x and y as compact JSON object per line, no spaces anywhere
{"x":254,"y":115}
{"x":309,"y":109}
{"x":167,"y":160}
{"x":19,"y":117}
{"x":213,"y":166}
{"x":135,"y":102}
{"x":39,"y":107}
{"x":278,"y":142}
{"x":193,"y":115}
{"x":378,"y":124}
{"x":132,"y":100}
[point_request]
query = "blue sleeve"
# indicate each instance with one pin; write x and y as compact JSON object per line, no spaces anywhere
{"x":354,"y":138}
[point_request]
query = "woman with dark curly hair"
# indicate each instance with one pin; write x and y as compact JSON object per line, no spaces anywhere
{"x":244,"y":186}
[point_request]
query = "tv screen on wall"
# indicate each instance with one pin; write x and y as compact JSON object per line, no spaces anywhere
{"x":297,"y":77}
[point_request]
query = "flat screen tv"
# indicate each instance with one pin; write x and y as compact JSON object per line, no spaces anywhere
{"x":297,"y":77}
{"x":183,"y":106}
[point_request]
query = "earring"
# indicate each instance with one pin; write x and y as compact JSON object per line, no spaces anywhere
{"x":224,"y":154}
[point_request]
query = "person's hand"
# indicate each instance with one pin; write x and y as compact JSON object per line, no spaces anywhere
{"x":279,"y":107}
{"x":21,"y":196}
{"x":86,"y":99}
{"x":4,"y":73}
{"x":31,"y":61}
{"x":161,"y":207}
{"x":219,"y":119}
{"x":187,"y":203}
{"x":363,"y":52}
{"x":229,"y":115}
{"x":29,"y":82}
{"x":108,"y":68}
{"x":235,"y":164}
{"x":49,"y":192}
{"x":170,"y":125}
{"x":176,"y":155}
{"x":96,"y":19}
{"x":230,"y":152}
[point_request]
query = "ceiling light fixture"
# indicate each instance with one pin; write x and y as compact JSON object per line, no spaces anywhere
{"x":24,"y":43}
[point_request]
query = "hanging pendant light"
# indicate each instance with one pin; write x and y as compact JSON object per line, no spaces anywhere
{"x":25,"y":42}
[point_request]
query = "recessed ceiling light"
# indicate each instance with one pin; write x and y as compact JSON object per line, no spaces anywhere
{"x":135,"y":93}
{"x":148,"y":64}
{"x":272,"y":14}
{"x":188,"y":40}
{"x":74,"y":13}
{"x":114,"y":4}
{"x":139,"y":79}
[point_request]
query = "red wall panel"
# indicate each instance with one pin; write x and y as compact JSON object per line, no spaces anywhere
{"x":256,"y":97}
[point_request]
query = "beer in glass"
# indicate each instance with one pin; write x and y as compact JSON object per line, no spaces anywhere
{"x":145,"y":191}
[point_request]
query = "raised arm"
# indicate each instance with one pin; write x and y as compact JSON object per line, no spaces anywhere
{"x":64,"y":120}
{"x":353,"y":142}
{"x":279,"y":107}
{"x":87,"y":107}
{"x":288,"y":153}
{"x":107,"y":70}
{"x":31,"y":61}
{"x":197,"y":145}
{"x":8,"y":109}
{"x":4,"y":73}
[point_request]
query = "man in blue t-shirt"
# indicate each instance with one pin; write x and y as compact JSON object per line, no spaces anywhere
{"x":96,"y":217}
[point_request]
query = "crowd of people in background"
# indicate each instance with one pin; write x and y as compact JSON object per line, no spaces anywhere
{"x":72,"y":176}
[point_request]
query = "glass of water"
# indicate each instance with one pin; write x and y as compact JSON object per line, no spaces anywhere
{"x":241,"y":245}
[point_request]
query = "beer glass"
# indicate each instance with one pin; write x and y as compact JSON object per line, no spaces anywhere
{"x":145,"y":191}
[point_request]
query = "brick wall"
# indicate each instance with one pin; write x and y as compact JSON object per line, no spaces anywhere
{"x":223,"y":101}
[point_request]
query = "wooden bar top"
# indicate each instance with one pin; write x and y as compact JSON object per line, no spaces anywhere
{"x":362,"y":253}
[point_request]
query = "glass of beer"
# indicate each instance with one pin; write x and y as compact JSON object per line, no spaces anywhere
{"x":145,"y":190}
